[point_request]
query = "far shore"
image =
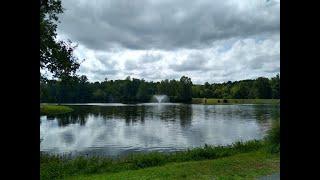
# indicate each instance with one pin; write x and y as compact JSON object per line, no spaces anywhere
{"x":212,"y":101}
{"x":204,"y":101}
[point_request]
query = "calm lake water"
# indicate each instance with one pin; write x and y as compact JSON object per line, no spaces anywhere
{"x":117,"y":129}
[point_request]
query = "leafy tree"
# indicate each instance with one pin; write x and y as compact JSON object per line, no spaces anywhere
{"x":55,"y":56}
{"x":262,"y":88}
{"x":185,"y":89}
{"x":275,"y":86}
{"x":142,"y":94}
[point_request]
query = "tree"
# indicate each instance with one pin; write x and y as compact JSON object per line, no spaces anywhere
{"x":262,"y":88}
{"x":142,"y":94}
{"x":275,"y":86}
{"x":240,"y":91}
{"x":55,"y":56}
{"x":185,"y":89}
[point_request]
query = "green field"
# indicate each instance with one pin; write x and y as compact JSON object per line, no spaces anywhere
{"x":241,"y":166}
{"x":234,"y":101}
{"x":54,"y":109}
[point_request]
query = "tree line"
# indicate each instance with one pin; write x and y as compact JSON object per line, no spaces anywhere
{"x":260,"y":88}
{"x":76,"y":89}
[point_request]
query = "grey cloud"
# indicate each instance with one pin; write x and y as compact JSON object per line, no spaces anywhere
{"x":131,"y":65}
{"x":150,"y":58}
{"x":194,"y":62}
{"x":144,"y":24}
{"x":223,"y":40}
{"x":261,"y":61}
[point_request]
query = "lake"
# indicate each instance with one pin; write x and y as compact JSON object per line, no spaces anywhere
{"x":119,"y":129}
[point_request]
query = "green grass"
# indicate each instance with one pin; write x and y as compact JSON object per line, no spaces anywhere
{"x":235,"y":101}
{"x":59,"y":167}
{"x":54,"y":109}
{"x":273,"y":137}
{"x":241,"y":166}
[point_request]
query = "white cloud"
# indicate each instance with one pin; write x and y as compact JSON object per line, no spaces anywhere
{"x":210,"y":41}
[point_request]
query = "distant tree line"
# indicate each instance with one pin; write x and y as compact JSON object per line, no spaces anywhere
{"x":80,"y":90}
{"x":260,"y":88}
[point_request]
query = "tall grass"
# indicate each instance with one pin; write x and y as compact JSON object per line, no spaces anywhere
{"x":58,"y":167}
{"x":273,"y":137}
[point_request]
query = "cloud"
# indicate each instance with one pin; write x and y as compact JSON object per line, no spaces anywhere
{"x":193,"y":62}
{"x":148,"y":24}
{"x":209,"y":41}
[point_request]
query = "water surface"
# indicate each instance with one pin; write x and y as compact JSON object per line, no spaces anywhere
{"x":117,"y":129}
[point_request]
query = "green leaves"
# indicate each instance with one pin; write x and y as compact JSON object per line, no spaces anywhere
{"x":55,"y":56}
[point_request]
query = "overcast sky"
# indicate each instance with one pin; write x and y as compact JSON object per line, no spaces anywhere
{"x":206,"y":40}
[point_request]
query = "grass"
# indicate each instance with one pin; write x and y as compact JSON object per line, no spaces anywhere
{"x":241,"y":166}
{"x":273,"y":137}
{"x":54,"y":109}
{"x":235,"y":101}
{"x":59,"y":167}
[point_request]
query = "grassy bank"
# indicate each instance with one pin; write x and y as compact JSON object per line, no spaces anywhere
{"x":54,"y":109}
{"x":58,"y":167}
{"x":234,"y":101}
{"x":240,"y":166}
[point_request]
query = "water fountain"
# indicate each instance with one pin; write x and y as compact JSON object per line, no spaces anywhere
{"x":161,"y":98}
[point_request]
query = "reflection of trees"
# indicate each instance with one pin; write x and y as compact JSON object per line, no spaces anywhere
{"x":261,"y":112}
{"x":185,"y":115}
{"x":72,"y":118}
{"x":142,"y":113}
{"x":130,"y":114}
{"x":166,"y":113}
{"x":265,"y":115}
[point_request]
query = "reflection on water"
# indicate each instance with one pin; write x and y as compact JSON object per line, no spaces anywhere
{"x":111,"y":130}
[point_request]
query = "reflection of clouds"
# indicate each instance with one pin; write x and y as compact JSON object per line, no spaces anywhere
{"x":163,"y":128}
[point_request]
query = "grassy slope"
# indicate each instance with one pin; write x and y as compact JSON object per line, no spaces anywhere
{"x":54,"y":109}
{"x":55,"y":167}
{"x":236,"y":101}
{"x":241,"y":166}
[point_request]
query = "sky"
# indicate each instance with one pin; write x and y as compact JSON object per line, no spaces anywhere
{"x":208,"y":41}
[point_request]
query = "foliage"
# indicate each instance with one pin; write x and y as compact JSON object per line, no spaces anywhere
{"x":260,"y":88}
{"x":55,"y":56}
{"x":79,"y":90}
